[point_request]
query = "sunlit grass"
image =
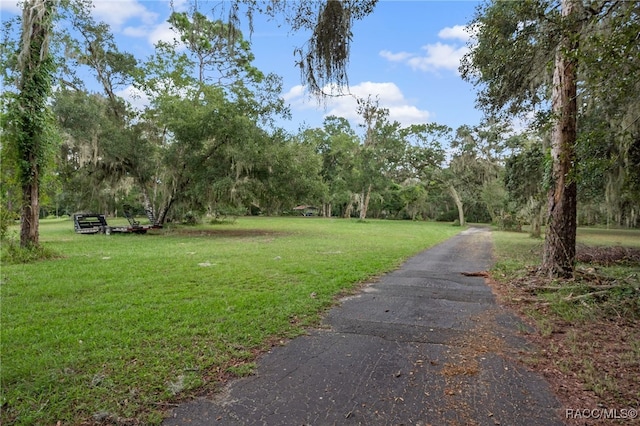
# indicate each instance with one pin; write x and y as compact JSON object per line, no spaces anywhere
{"x":119,"y":324}
{"x":609,"y":237}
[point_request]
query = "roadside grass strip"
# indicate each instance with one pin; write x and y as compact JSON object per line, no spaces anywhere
{"x":588,"y":326}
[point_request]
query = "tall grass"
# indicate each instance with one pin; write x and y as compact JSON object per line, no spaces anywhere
{"x":118,"y":325}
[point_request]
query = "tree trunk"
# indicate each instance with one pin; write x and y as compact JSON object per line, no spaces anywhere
{"x":458,"y":201}
{"x":29,"y":217}
{"x":326,"y":209}
{"x":148,"y":206}
{"x":536,"y":218}
{"x":365,"y":203}
{"x":560,"y":240}
{"x":36,"y":68}
{"x":348,"y":210}
{"x":164,"y":211}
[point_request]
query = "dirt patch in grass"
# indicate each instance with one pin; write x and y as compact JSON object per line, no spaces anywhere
{"x":225,"y":233}
{"x":608,"y":256}
{"x":587,"y":332}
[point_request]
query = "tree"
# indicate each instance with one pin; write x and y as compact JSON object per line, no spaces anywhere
{"x":609,"y":125}
{"x":104,"y":155}
{"x":380,"y":153}
{"x":30,"y":129}
{"x":414,"y":197}
{"x":474,"y":167}
{"x":524,"y":182}
{"x":184,"y":149}
{"x":337,"y":145}
{"x":102,"y":159}
{"x":215,"y":45}
{"x":420,"y":165}
{"x":323,"y":59}
{"x":288,"y":173}
{"x":423,"y":154}
{"x":518,"y":43}
{"x":560,"y":238}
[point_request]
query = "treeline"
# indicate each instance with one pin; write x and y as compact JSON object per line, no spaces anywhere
{"x":219,"y":162}
{"x":206,"y":144}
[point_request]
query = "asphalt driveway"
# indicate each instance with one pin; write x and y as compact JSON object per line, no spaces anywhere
{"x":424,"y":345}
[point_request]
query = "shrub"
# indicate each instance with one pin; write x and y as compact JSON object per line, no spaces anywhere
{"x":12,"y":253}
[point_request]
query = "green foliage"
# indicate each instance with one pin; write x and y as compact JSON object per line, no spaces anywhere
{"x":324,"y":58}
{"x":495,"y":198}
{"x":216,"y":46}
{"x":524,"y":179}
{"x":517,"y":43}
{"x":190,"y":149}
{"x":8,"y":52}
{"x":474,"y":172}
{"x":524,"y":173}
{"x":11,"y":191}
{"x":610,"y":54}
{"x":607,"y":169}
{"x":511,"y":63}
{"x":27,"y":125}
{"x":387,"y":156}
{"x":12,"y":253}
{"x":7,"y":218}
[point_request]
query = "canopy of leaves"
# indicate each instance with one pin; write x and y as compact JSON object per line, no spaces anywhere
{"x":511,"y":62}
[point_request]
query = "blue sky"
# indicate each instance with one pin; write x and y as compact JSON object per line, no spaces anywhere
{"x":406,"y":53}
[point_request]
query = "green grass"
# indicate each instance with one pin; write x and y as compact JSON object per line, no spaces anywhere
{"x":120,"y":324}
{"x":516,"y":254}
{"x":515,"y":251}
{"x":609,"y":237}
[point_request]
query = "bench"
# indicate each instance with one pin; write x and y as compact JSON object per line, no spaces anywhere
{"x":89,"y":223}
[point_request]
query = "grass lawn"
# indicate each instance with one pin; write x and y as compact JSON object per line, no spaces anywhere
{"x":587,"y":327}
{"x":119,"y":325}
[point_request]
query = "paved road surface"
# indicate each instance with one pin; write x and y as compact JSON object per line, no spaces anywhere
{"x":425,"y":345}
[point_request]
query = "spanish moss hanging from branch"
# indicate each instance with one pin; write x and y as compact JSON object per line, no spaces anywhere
{"x":324,"y":58}
{"x":328,"y":54}
{"x":323,"y":61}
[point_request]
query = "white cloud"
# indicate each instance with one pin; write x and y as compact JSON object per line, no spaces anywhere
{"x":137,"y":32}
{"x":180,"y":5}
{"x":135,"y":97}
{"x":388,"y":94}
{"x":457,"y":32}
{"x":295,"y":93}
{"x":408,"y":114}
{"x":117,"y":12}
{"x":162,"y":32}
{"x":9,"y":7}
{"x":395,"y":57}
{"x":439,"y":55}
